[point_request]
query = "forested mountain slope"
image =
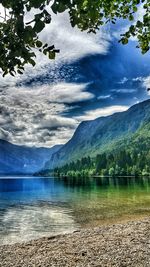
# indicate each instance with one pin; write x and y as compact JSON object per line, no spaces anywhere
{"x":102,"y":134}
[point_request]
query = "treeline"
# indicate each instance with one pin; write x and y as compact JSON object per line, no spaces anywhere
{"x":133,"y":160}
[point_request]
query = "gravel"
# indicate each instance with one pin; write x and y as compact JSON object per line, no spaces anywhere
{"x":118,"y":245}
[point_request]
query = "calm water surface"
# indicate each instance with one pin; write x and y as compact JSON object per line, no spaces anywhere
{"x":35,"y":207}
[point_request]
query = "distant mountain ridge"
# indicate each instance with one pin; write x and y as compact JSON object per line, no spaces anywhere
{"x":16,"y":159}
{"x":102,"y":134}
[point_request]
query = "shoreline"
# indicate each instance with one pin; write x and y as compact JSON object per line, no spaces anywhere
{"x":119,"y":244}
{"x":118,"y":220}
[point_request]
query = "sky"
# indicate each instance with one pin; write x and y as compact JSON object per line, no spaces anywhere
{"x":92,"y":76}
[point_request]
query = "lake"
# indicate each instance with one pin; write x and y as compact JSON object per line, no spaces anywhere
{"x":31,"y":208}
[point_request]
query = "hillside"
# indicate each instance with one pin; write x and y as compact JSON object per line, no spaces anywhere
{"x":129,"y":156}
{"x":102,"y":134}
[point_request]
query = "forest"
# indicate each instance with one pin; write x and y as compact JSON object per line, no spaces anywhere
{"x":130,"y":157}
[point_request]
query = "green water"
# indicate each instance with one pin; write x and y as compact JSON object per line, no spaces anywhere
{"x":35,"y":207}
{"x":104,"y":200}
{"x":112,"y":200}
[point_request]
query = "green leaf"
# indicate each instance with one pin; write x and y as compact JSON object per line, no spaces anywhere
{"x":44,"y":46}
{"x":32,"y":62}
{"x":135,"y":9}
{"x":51,"y":55}
{"x":39,"y":26}
{"x":124,"y":41}
{"x":19,"y":71}
{"x":131,"y":17}
{"x":39,"y":43}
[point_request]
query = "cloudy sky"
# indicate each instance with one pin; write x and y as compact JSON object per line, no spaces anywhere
{"x":92,"y":76}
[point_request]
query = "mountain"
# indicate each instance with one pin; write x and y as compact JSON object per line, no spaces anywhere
{"x":102,"y":134}
{"x":129,"y":157}
{"x":16,"y":159}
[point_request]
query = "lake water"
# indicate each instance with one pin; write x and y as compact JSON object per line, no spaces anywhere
{"x":35,"y":207}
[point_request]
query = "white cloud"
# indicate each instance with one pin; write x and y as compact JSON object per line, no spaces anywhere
{"x":69,"y":93}
{"x":123,"y":81}
{"x":137,"y":79}
{"x":57,"y":122}
{"x":5,"y":135}
{"x":26,"y":109}
{"x":101,"y":97}
{"x":32,"y":116}
{"x":145,"y":82}
{"x":101,"y":112}
{"x":124,"y":90}
{"x":73,"y":43}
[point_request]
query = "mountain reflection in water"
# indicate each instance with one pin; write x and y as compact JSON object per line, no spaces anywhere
{"x":35,"y":207}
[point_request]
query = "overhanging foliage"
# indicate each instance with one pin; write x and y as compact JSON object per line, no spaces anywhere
{"x":19,"y":39}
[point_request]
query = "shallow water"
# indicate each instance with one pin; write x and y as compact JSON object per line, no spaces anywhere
{"x":35,"y":207}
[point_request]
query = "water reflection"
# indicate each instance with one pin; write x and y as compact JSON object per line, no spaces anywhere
{"x":35,"y":207}
{"x":23,"y":223}
{"x":106,"y":182}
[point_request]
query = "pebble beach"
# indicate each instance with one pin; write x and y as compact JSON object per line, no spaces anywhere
{"x":120,"y":245}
